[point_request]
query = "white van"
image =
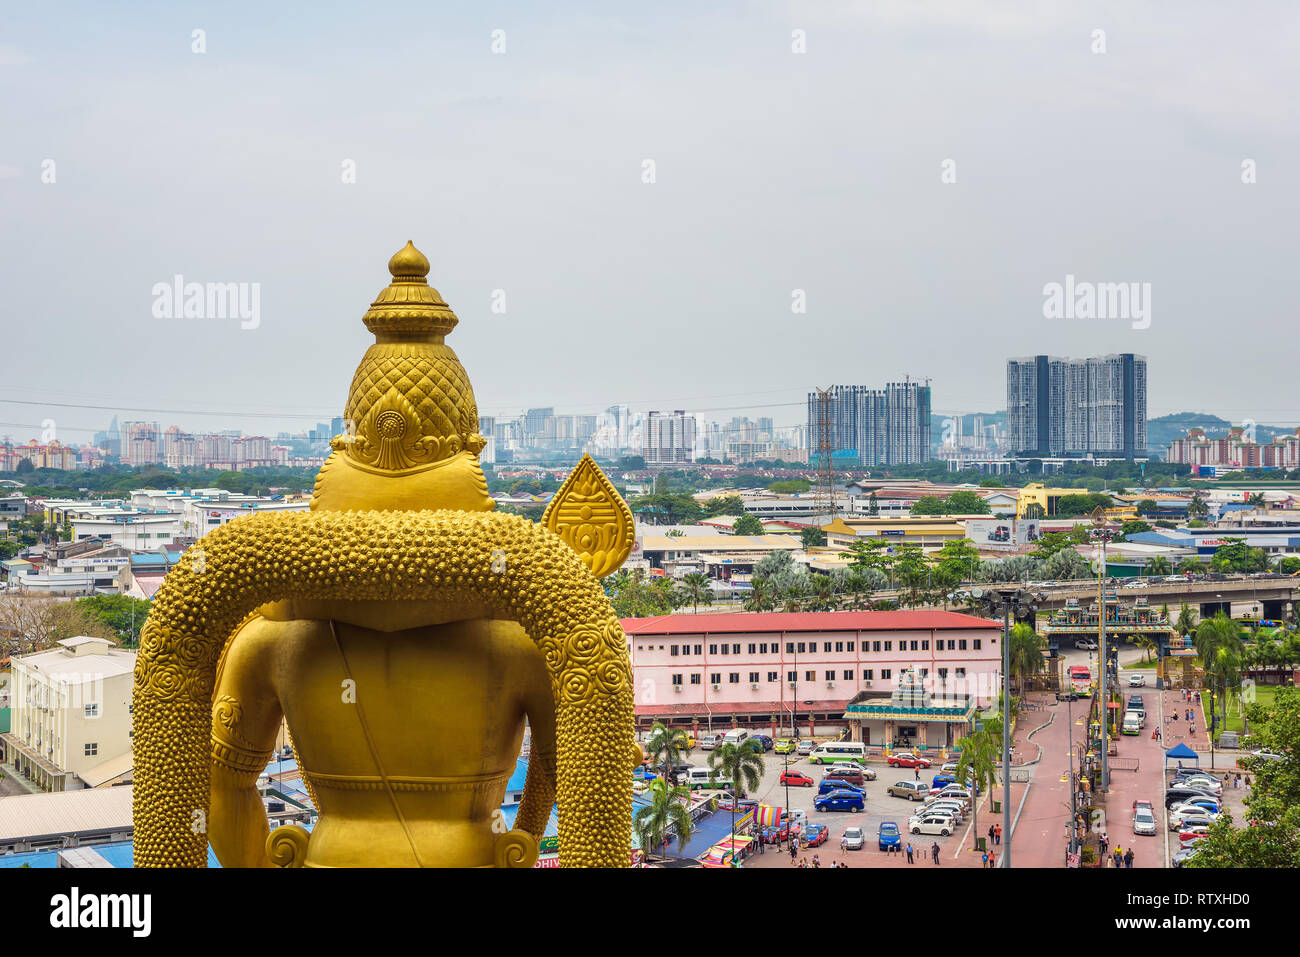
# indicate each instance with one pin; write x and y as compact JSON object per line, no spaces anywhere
{"x":833,"y":751}
{"x":1132,"y":723}
{"x":705,"y":778}
{"x":735,"y":736}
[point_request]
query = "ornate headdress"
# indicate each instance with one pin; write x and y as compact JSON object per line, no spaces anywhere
{"x":412,"y":439}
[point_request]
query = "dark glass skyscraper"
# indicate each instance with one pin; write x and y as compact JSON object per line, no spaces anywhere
{"x":1066,"y":407}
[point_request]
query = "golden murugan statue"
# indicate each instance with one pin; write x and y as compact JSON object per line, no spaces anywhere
{"x":405,"y":631}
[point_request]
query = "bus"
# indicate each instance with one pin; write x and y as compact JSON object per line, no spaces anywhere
{"x":1081,"y":680}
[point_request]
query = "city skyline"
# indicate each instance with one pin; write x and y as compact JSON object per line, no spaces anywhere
{"x":943,"y":211}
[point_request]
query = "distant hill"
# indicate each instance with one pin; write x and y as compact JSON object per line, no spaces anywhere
{"x":1163,"y":430}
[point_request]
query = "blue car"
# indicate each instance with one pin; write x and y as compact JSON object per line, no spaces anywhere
{"x":764,"y":740}
{"x":889,"y":836}
{"x":830,"y":785}
{"x":841,"y":800}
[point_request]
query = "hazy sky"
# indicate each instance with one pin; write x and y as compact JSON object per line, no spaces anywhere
{"x":522,"y":171}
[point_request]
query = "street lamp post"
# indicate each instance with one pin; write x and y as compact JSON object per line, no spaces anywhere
{"x":1005,"y":601}
{"x":1102,"y":533}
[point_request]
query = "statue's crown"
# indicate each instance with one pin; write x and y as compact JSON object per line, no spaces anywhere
{"x":410,"y":408}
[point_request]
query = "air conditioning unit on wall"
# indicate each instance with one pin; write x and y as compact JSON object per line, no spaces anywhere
{"x":866,"y":684}
{"x":830,"y":684}
{"x":677,"y":688}
{"x":754,"y":687}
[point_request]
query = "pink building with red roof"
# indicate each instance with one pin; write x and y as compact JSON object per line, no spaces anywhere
{"x":767,"y":671}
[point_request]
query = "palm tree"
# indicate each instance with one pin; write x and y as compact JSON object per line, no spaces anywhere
{"x":913,"y":576}
{"x":1025,"y":654}
{"x":1159,"y":565}
{"x":793,"y":594}
{"x":664,"y":812}
{"x":1188,"y":565}
{"x":1185,"y":624}
{"x":742,"y":765}
{"x":858,"y":588}
{"x":694,"y":588}
{"x":824,"y":594}
{"x":667,"y":743}
{"x":1147,"y":644}
{"x":980,"y":752}
{"x":1197,"y":508}
{"x":1219,"y":645}
{"x":761,"y":596}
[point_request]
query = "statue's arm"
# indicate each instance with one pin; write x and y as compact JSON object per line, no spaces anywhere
{"x":246,"y":718}
{"x":539,"y":786}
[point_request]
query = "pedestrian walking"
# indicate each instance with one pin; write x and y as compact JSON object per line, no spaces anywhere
{"x":992,"y":836}
{"x":916,"y":773}
{"x":934,"y":851}
{"x":1128,"y":859}
{"x":793,"y":852}
{"x":909,"y":853}
{"x":984,"y":860}
{"x":997,"y":833}
{"x":993,"y":861}
{"x":844,"y":844}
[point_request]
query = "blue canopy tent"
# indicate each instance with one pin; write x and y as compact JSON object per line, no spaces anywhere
{"x":1179,"y":752}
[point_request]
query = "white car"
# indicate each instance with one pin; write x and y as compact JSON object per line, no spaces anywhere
{"x":1086,"y":645}
{"x":952,"y":808}
{"x":1136,"y":583}
{"x":1144,"y":822}
{"x":1195,"y":808}
{"x":1268,"y":755}
{"x":854,"y":840}
{"x":940,"y":824}
{"x":1179,"y":820}
{"x":953,"y":792}
{"x":868,"y":774}
{"x":1137,"y":681}
{"x":1205,"y":784}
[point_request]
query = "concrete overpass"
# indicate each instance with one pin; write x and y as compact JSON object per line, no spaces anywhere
{"x":1257,"y":597}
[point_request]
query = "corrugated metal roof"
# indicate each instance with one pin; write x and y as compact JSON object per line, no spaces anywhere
{"x":756,"y":622}
{"x":64,"y":812}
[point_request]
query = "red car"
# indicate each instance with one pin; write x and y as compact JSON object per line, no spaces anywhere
{"x":816,"y":834}
{"x":906,"y":759}
{"x":796,"y":779}
{"x":775,"y":832}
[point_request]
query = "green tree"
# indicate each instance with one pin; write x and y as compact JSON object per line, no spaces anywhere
{"x":1025,"y":654}
{"x":1236,"y":556}
{"x":1273,"y":802}
{"x":966,"y":502}
{"x":980,"y":752}
{"x":1034,"y":510}
{"x":666,"y":747}
{"x":665,"y":811}
{"x":1186,"y":622}
{"x":812,"y":537}
{"x":1197,"y":508}
{"x":761,"y":597}
{"x":724,"y":505}
{"x":960,"y":557}
{"x":695,"y":590}
{"x":1147,"y":506}
{"x":748,"y":525}
{"x":8,"y":549}
{"x":675,"y":509}
{"x":122,"y":613}
{"x":873,"y":505}
{"x":25,"y":467}
{"x":1219,"y":645}
{"x":1289,"y":565}
{"x":789,"y":486}
{"x":1188,"y":565}
{"x":742,"y":765}
{"x":930,"y":505}
{"x":1159,"y":565}
{"x":1133,"y":526}
{"x":858,"y":589}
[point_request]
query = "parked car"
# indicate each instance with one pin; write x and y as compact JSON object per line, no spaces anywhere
{"x":840,"y":801}
{"x":854,"y":839}
{"x":912,"y":790}
{"x":868,"y":773}
{"x":1183,"y":855}
{"x":945,"y":806}
{"x":949,"y":768}
{"x":1193,"y":832}
{"x":1177,"y":795}
{"x":816,"y":834}
{"x":851,"y":775}
{"x":1207,"y":806}
{"x":1268,"y":755}
{"x":830,"y":785}
{"x":775,"y":832}
{"x":1180,"y":819}
{"x":806,"y":746}
{"x":888,"y":835}
{"x":1204,"y":783}
{"x":785,"y":746}
{"x":1137,"y":681}
{"x":764,"y":740}
{"x":797,"y":779}
{"x":1144,"y":821}
{"x":931,"y":824}
{"x":906,"y":759}
{"x":957,"y":793}
{"x":1086,"y":644}
{"x":710,"y":741}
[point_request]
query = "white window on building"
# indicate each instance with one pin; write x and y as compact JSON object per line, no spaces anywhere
{"x":92,"y":711}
